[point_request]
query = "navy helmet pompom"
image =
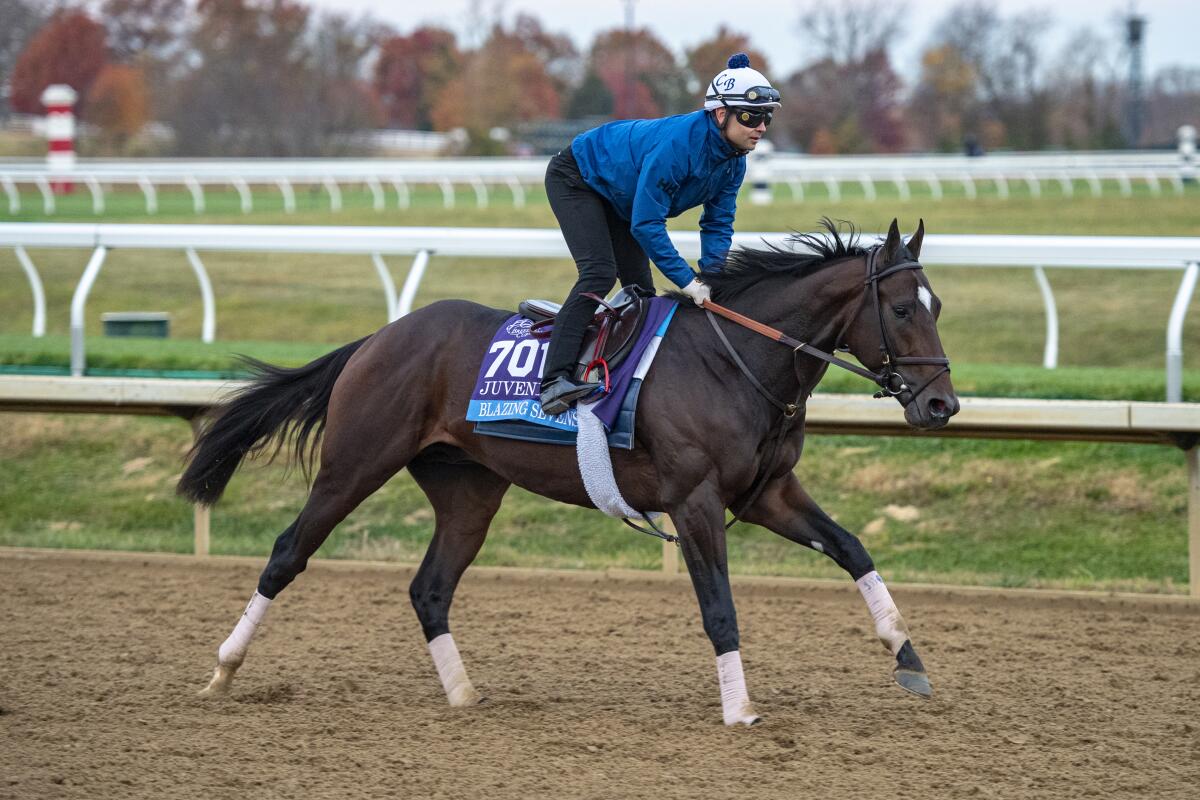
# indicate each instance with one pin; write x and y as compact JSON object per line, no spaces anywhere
{"x":739,"y":60}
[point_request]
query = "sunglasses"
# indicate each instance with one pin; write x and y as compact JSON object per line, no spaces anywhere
{"x":752,"y":119}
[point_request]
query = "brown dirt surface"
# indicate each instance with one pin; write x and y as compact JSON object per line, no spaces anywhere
{"x":597,"y":687}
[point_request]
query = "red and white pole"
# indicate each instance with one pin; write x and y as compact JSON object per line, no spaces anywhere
{"x":59,"y":100}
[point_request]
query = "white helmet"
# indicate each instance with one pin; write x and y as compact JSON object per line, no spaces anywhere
{"x":739,"y":85}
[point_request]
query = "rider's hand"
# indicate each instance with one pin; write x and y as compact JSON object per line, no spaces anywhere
{"x":697,"y":291}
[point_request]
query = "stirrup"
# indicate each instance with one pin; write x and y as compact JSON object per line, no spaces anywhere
{"x":561,"y":394}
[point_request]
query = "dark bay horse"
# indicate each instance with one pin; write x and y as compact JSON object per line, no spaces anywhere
{"x":711,"y":435}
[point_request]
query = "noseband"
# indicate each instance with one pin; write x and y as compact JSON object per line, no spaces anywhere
{"x":891,"y":383}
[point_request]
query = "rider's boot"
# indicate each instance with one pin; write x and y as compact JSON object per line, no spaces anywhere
{"x":560,"y":393}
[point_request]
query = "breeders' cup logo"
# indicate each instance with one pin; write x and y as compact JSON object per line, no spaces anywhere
{"x":518,"y":328}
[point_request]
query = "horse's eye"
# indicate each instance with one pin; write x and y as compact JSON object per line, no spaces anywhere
{"x":900,"y":311}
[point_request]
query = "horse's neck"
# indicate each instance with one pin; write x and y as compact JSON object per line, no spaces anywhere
{"x":815,"y":310}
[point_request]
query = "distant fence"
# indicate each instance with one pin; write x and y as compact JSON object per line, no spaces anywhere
{"x":1035,"y":252}
{"x":391,"y":180}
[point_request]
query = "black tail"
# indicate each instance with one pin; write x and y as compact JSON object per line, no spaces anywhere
{"x":278,"y":403}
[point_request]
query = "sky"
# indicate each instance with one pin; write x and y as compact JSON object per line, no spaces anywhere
{"x":1171,"y":32}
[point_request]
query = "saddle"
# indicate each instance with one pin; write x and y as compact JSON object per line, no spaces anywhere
{"x":609,"y":336}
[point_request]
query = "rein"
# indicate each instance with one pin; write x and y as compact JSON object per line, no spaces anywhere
{"x":891,"y":383}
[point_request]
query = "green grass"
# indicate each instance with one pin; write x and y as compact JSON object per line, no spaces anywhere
{"x":1006,"y":513}
{"x":994,"y":513}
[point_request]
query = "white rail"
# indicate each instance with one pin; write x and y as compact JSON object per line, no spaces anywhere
{"x":1064,"y":169}
{"x":1037,"y":252}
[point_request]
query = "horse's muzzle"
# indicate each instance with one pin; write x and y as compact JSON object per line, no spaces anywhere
{"x":932,"y":411}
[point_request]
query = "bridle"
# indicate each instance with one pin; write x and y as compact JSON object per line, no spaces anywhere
{"x":891,"y":383}
{"x":889,"y":380}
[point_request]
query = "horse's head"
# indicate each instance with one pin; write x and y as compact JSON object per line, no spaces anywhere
{"x":895,"y":334}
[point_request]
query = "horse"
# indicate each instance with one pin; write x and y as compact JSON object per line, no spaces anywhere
{"x":712,"y":435}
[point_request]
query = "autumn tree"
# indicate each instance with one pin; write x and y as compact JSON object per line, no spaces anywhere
{"x":641,"y":74}
{"x":849,"y":100}
{"x":22,"y":18}
{"x":558,"y":54}
{"x":502,"y":84}
{"x":412,"y":72}
{"x":1005,"y":57}
{"x":69,"y":49}
{"x":711,"y":56}
{"x":944,"y":106}
{"x":117,"y":103}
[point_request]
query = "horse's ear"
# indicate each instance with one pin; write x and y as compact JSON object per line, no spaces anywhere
{"x":914,"y":244}
{"x":892,"y":245}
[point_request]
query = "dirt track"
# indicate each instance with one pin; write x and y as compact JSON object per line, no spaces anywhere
{"x":596,"y":688}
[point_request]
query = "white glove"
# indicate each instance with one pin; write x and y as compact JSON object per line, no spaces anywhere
{"x":697,"y":291}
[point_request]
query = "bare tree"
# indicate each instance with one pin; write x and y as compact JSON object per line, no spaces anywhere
{"x":847,"y":31}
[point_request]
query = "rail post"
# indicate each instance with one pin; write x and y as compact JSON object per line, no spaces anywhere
{"x":78,"y":301}
{"x":1183,"y":299}
{"x":1193,"y":462}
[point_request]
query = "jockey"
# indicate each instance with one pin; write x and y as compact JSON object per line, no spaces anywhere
{"x":613,"y":189}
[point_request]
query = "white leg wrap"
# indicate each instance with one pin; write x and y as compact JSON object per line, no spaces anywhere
{"x":735,"y":701}
{"x":233,"y":650}
{"x":889,"y":625}
{"x":450,"y":669}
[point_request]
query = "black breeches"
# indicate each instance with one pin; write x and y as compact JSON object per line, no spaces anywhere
{"x":603,"y":248}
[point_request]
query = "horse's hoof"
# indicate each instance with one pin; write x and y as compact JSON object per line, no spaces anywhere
{"x":465,"y":696}
{"x":746,"y":716}
{"x":219,"y":684}
{"x":915,"y":682}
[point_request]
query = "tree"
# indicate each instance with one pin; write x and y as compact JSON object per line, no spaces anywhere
{"x":846,"y":31}
{"x":117,"y":102}
{"x":855,"y":106}
{"x":68,"y":49}
{"x":22,"y":18}
{"x":591,"y":98}
{"x":556,"y":51}
{"x":412,"y":73}
{"x":944,"y":104}
{"x":640,"y":73}
{"x":711,"y":56}
{"x":502,"y":83}
{"x":269,"y":80}
{"x":1005,"y":58}
{"x":144,"y":28}
{"x":1085,"y":95}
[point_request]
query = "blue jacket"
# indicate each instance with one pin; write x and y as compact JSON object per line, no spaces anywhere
{"x":652,"y":169}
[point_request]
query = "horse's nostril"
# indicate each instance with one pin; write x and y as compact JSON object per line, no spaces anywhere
{"x":938,"y":408}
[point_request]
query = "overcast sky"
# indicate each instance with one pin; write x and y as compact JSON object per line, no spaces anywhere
{"x":1172,"y":33}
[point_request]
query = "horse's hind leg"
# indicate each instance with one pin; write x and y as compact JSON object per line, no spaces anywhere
{"x":465,"y":497}
{"x":346,"y":478}
{"x":785,"y":508}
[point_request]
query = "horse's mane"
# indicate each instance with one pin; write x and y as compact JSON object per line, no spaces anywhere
{"x":804,"y":255}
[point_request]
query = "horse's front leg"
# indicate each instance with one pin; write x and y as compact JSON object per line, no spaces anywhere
{"x":699,"y":519}
{"x":785,"y":508}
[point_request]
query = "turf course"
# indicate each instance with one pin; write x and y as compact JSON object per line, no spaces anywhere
{"x":999,"y":513}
